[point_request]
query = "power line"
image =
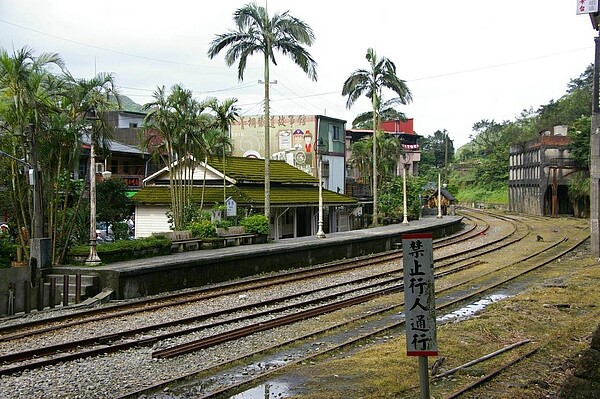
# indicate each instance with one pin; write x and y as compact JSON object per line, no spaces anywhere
{"x":500,"y":65}
{"x":106,"y":49}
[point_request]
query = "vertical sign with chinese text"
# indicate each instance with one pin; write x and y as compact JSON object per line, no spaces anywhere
{"x":231,"y":206}
{"x":419,"y":294}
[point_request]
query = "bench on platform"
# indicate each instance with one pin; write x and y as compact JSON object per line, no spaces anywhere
{"x":235,"y":235}
{"x":182,"y":240}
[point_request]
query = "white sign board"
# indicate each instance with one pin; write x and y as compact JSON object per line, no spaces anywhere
{"x":419,"y":294}
{"x":587,"y":6}
{"x":231,"y":207}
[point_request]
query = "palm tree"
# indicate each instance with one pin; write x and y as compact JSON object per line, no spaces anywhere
{"x":257,"y":33}
{"x":174,"y":120}
{"x":26,"y":91}
{"x":79,"y":98}
{"x":362,"y":152}
{"x":386,"y":112}
{"x":382,"y":74}
{"x":226,"y":112}
{"x":214,"y":143}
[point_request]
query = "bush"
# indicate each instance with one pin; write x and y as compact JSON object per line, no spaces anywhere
{"x":203,"y":229}
{"x":127,"y":249}
{"x":223,"y":223}
{"x":8,"y":250}
{"x":257,"y":224}
{"x":120,"y":230}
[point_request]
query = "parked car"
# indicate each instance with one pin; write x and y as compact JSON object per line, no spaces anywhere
{"x":104,"y":232}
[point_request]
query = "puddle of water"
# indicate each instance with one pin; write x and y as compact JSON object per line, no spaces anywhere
{"x":471,"y":309}
{"x":264,"y":391}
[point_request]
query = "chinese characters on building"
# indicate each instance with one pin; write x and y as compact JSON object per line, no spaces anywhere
{"x":419,"y":294}
{"x":291,"y":139}
{"x":275,"y":121}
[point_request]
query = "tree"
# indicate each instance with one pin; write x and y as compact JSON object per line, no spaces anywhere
{"x":225,"y":113}
{"x":114,"y":203}
{"x":82,"y":102}
{"x":437,"y":153}
{"x":175,"y":123}
{"x":257,"y":33}
{"x":214,"y":143}
{"x":26,"y":91}
{"x":44,"y":123}
{"x":361,"y":160}
{"x":579,"y":181}
{"x":382,"y":74}
{"x":386,"y":112}
{"x":392,"y":193}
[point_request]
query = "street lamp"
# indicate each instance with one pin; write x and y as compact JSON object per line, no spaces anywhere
{"x":93,"y":258}
{"x":439,"y":215}
{"x":321,"y":148}
{"x":405,"y":159}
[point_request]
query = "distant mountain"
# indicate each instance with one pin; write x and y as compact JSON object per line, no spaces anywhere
{"x":127,"y":104}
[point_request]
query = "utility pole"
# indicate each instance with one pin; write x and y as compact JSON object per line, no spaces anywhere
{"x":595,"y":149}
{"x":40,"y":247}
{"x":38,"y":214}
{"x":595,"y":158}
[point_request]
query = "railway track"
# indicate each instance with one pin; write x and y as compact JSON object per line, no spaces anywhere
{"x":450,"y":262}
{"x":18,"y":329}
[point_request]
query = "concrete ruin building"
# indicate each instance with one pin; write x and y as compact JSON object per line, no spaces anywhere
{"x":538,"y":174}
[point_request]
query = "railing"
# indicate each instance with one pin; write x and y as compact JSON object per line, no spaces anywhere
{"x":561,"y":162}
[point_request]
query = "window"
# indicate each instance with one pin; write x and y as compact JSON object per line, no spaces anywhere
{"x":126,"y":167}
{"x":325,"y":171}
{"x":334,"y":132}
{"x":133,"y":125}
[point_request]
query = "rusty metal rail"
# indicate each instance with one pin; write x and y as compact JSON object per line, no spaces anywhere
{"x":22,"y":330}
{"x":394,"y":325}
{"x":105,"y":341}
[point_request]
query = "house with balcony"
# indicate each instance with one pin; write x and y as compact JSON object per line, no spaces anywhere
{"x":355,"y":186}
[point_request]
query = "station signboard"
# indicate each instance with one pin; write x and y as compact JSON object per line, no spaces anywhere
{"x":231,"y":206}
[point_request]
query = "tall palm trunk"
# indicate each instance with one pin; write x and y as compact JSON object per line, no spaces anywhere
{"x":203,"y":183}
{"x":267,"y":144}
{"x":224,"y":174}
{"x":375,"y":129}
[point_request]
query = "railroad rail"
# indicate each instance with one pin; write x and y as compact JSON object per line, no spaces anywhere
{"x":299,"y":306}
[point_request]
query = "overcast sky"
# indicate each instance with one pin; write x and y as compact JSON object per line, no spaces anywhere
{"x":463,"y":60}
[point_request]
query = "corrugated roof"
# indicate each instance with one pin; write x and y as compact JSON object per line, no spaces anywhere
{"x":114,"y":146}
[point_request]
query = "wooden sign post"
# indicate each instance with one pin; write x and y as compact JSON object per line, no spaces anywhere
{"x":419,"y":302}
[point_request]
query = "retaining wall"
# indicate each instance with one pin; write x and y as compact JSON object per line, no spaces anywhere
{"x":197,"y":268}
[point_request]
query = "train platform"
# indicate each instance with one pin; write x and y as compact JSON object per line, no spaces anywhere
{"x":149,"y":276}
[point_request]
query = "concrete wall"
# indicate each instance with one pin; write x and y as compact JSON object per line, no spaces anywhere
{"x":15,"y":278}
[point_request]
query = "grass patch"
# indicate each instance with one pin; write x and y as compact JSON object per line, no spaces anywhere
{"x":557,"y":312}
{"x":480,"y":195}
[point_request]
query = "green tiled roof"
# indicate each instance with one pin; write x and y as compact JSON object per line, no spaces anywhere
{"x":289,"y":186}
{"x":253,"y":170}
{"x":162,"y":195}
{"x":297,"y":195}
{"x":248,"y":195}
